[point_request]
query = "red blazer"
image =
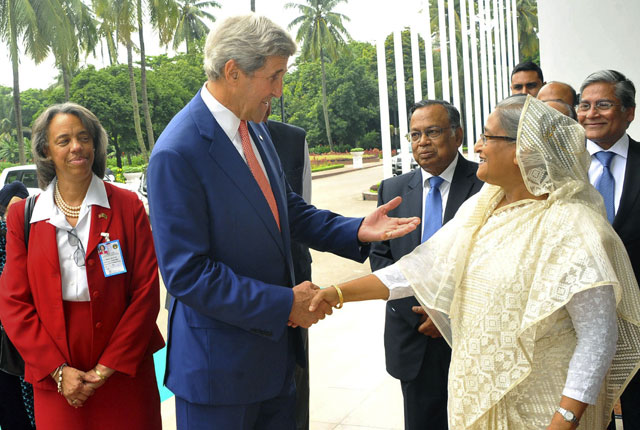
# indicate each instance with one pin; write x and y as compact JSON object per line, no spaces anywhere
{"x":124,"y":307}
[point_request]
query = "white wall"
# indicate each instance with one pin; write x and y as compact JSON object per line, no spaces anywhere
{"x":578,"y":37}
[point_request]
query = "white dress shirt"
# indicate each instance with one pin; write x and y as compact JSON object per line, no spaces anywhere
{"x":230,"y":124}
{"x":75,"y":287}
{"x":447,"y":175}
{"x":617,"y":167}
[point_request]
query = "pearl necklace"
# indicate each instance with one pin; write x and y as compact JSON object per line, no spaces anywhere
{"x":70,"y":211}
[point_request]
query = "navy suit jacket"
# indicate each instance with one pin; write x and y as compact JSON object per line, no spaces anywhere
{"x":404,"y":345}
{"x":225,"y":262}
{"x":627,"y":220}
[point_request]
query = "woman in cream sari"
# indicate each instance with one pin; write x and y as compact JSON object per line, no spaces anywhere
{"x":529,"y":284}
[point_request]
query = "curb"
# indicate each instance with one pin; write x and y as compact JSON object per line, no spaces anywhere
{"x":340,"y":171}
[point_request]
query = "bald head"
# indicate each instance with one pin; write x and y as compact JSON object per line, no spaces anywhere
{"x":558,"y":91}
{"x":563,"y":108}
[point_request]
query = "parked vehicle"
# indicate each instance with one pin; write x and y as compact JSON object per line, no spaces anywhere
{"x":396,"y":164}
{"x":27,"y":175}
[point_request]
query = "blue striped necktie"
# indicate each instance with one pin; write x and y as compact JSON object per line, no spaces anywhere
{"x":606,"y":184}
{"x":432,"y":208}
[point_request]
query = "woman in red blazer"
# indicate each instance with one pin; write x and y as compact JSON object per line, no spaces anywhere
{"x":83,"y":321}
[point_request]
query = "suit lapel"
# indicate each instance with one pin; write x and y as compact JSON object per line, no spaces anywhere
{"x":631,"y":185}
{"x":412,"y":205}
{"x":461,"y":185}
{"x":100,"y":220}
{"x":226,"y":156}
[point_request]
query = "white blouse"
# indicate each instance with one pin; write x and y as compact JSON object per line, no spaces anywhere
{"x":593,"y":313}
{"x":75,"y":287}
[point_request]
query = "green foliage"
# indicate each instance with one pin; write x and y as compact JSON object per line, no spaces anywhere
{"x":357,"y":150}
{"x":370,"y":140}
{"x":327,"y":167}
{"x":6,"y":164}
{"x":119,"y":174}
{"x":352,"y":97}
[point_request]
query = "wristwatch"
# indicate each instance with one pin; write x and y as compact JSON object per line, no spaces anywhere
{"x":568,"y":415}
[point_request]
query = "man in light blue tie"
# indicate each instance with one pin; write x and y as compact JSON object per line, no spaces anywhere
{"x":607,"y":107}
{"x":415,"y":352}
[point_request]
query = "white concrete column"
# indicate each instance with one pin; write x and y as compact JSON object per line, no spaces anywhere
{"x":405,"y":150}
{"x":383,"y":94}
{"x":468,"y":104}
{"x":415,"y":65}
{"x":453,"y":50}
{"x":475,"y":76}
{"x":428,"y":54}
{"x":444,"y":58}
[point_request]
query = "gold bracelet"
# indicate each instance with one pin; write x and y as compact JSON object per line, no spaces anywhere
{"x":340,"y":297}
{"x":100,"y":374}
{"x":59,"y":382}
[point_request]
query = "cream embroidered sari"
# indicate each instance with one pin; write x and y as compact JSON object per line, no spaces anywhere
{"x":496,"y":283}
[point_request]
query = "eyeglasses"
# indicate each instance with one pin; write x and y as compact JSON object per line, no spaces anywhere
{"x":484,"y":138}
{"x":74,"y":240}
{"x":431,"y":133}
{"x":600,"y":106}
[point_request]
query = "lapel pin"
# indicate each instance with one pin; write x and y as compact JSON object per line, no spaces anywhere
{"x":260,"y":137}
{"x":102,"y":215}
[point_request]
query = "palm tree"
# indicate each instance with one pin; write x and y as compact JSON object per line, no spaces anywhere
{"x":28,"y":21}
{"x":253,"y":5}
{"x":76,"y":32}
{"x":121,"y":15}
{"x":190,"y":26}
{"x":322,"y":34}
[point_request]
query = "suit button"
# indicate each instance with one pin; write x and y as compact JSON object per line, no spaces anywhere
{"x":98,"y":324}
{"x":91,"y":262}
{"x":96,"y":294}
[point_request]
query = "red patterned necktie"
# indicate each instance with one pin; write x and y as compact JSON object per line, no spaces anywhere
{"x":257,"y":171}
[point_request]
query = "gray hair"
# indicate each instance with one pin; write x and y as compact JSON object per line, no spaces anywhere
{"x":509,"y":111}
{"x":452,"y":112}
{"x":247,"y":39}
{"x":625,"y":91}
{"x":45,"y":168}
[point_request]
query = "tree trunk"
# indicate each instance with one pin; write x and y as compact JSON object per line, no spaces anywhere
{"x":112,"y":48}
{"x":118,"y":154}
{"x":17,"y":107}
{"x":66,"y":80}
{"x":134,"y":103}
{"x":324,"y":102}
{"x":143,"y":82}
{"x":253,"y":5}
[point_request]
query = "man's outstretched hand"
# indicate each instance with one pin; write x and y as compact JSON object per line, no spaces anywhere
{"x":378,"y":226}
{"x":300,"y":314}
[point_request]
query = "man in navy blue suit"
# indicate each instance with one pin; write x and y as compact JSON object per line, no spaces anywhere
{"x":416,"y":353}
{"x":223,"y":217}
{"x":606,"y":109}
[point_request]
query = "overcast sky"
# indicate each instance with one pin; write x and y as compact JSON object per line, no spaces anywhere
{"x":369,"y":19}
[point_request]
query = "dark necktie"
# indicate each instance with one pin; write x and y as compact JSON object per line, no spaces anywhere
{"x":606,"y":184}
{"x":432,"y":208}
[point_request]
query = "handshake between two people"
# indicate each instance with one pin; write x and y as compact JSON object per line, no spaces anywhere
{"x":307,"y":309}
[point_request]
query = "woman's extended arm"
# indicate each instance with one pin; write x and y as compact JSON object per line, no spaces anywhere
{"x":366,"y":288}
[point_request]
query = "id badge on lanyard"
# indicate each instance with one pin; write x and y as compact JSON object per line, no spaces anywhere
{"x":111,"y":258}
